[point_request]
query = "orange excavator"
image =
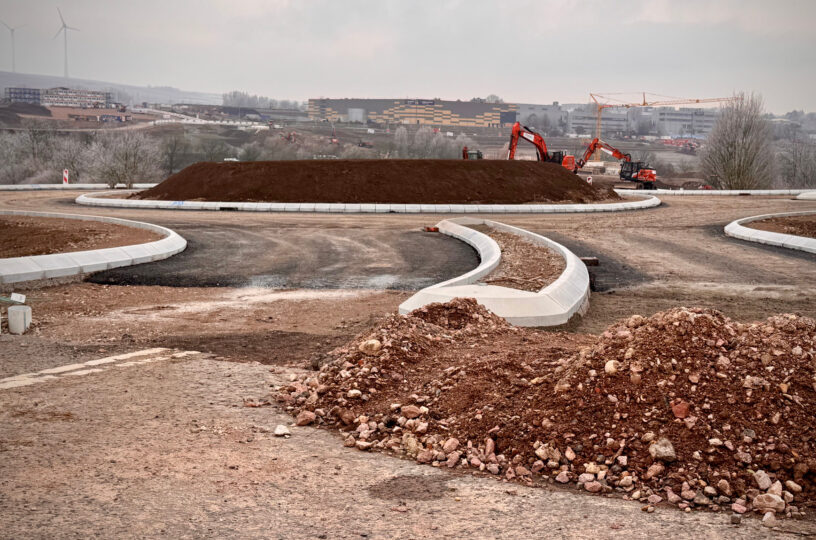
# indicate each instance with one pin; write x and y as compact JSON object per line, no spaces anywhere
{"x":631,"y":171}
{"x":523,"y":132}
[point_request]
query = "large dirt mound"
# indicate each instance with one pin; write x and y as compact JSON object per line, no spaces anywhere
{"x":685,"y":406}
{"x":379,"y":181}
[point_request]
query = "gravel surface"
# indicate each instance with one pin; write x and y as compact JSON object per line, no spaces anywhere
{"x":524,"y":265}
{"x":169,"y":449}
{"x":152,"y":472}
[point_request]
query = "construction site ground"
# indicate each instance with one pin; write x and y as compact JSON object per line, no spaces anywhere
{"x":795,"y":225}
{"x":170,"y":447}
{"x":22,"y":236}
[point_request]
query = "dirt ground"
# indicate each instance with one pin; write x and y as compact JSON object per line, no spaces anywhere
{"x":131,"y":460}
{"x":795,"y":225}
{"x":25,"y":236}
{"x":524,"y":265}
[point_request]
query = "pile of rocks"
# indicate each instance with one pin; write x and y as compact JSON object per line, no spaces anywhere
{"x":685,"y":407}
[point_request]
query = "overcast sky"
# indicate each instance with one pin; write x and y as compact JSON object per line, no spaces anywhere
{"x":524,"y":51}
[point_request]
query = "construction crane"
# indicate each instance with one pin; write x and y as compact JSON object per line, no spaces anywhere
{"x":603,"y":102}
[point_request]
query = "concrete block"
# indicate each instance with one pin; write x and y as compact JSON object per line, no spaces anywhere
{"x":19,"y":319}
{"x":20,"y":269}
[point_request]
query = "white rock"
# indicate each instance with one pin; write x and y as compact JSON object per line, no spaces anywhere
{"x":281,"y":431}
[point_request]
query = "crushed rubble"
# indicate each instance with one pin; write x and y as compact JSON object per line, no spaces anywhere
{"x":695,"y":410}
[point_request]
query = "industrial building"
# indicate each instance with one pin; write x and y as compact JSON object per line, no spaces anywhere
{"x":414,"y":111}
{"x":61,"y":97}
{"x":682,"y":122}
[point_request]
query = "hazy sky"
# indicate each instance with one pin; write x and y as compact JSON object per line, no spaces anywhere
{"x":524,"y":51}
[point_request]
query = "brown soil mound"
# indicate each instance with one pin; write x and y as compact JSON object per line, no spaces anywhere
{"x":795,"y":225}
{"x":685,"y":406}
{"x":409,"y":181}
{"x":26,"y":236}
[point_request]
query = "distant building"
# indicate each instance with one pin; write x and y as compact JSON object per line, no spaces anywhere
{"x":582,"y":120}
{"x":61,"y":97}
{"x":69,"y":97}
{"x":413,"y":111}
{"x":682,"y":122}
{"x":543,"y":116}
{"x":23,"y":95}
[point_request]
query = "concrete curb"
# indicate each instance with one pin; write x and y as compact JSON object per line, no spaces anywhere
{"x":807,"y":196}
{"x":348,"y":208}
{"x":67,"y":187}
{"x":735,"y":229}
{"x":17,"y":269}
{"x":553,"y":305}
{"x":714,"y":192}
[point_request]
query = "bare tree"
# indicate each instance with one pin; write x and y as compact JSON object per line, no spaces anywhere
{"x":171,"y":148}
{"x":125,"y":158}
{"x":402,"y":145}
{"x":73,"y":154}
{"x":213,"y":149}
{"x":797,"y":164}
{"x":738,"y":153}
{"x":251,"y":152}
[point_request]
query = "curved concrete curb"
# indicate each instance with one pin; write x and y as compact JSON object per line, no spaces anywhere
{"x":735,"y":229}
{"x":353,"y":208}
{"x":67,"y":187}
{"x":553,"y":305}
{"x":723,"y":192}
{"x":807,"y":196}
{"x":18,"y":269}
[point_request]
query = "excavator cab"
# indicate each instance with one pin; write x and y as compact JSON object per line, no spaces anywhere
{"x":640,"y":172}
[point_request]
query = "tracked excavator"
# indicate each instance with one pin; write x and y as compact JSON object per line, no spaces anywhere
{"x":631,"y":171}
{"x":530,"y":135}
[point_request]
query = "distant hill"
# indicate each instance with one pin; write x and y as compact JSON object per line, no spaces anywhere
{"x":124,"y":93}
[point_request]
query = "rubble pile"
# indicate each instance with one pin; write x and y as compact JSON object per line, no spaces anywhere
{"x":685,"y":407}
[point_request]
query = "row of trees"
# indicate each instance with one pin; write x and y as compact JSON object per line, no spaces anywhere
{"x":237,"y":98}
{"x":40,"y":155}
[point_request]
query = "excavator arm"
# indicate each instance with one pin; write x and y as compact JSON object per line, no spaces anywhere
{"x":598,"y":144}
{"x":523,"y":132}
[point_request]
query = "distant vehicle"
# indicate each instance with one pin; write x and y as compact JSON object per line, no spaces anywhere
{"x":471,"y":154}
{"x":449,"y":134}
{"x":230,"y":159}
{"x":370,"y":131}
{"x":365,"y":144}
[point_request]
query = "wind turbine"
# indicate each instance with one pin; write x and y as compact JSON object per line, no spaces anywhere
{"x":13,"y":64}
{"x":64,"y":29}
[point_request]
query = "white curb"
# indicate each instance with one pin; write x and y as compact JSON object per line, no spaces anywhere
{"x":16,"y":269}
{"x":648,"y":202}
{"x":723,"y":192}
{"x":67,"y":187}
{"x":553,"y":305}
{"x":807,"y":196}
{"x":735,"y":229}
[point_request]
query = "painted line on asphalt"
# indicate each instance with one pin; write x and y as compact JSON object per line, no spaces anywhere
{"x":99,"y":365}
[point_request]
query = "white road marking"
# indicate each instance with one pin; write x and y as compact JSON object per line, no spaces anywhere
{"x":136,"y":358}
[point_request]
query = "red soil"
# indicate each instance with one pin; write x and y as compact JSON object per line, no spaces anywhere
{"x":380,"y":181}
